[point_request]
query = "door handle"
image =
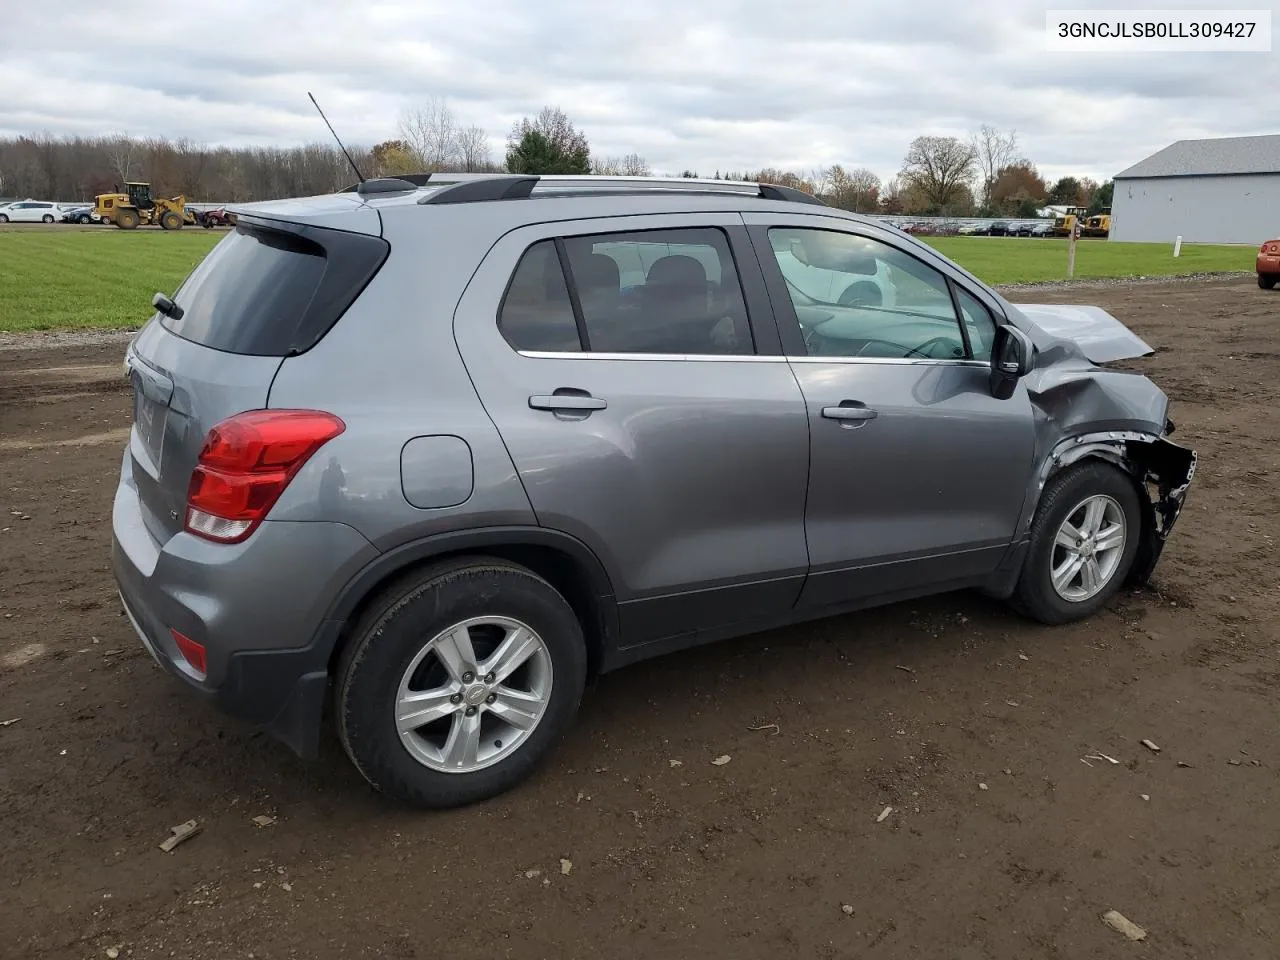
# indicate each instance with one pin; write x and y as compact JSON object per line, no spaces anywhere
{"x":567,"y":401}
{"x":849,"y":410}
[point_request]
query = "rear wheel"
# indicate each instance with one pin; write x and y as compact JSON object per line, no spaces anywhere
{"x":1083,"y":541}
{"x":85,"y":218}
{"x":127,"y":219}
{"x":459,"y":681}
{"x":4,"y":218}
{"x":1267,"y":280}
{"x":170,"y":220}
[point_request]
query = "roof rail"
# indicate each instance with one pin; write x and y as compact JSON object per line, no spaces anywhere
{"x":477,"y":187}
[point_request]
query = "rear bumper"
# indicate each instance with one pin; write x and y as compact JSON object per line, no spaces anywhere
{"x":280,"y":691}
{"x":1269,"y":264}
{"x":257,"y":607}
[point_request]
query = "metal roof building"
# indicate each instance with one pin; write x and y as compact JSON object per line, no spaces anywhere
{"x":1225,"y":190}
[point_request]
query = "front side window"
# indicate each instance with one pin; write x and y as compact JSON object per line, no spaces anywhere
{"x":978,"y":324}
{"x":859,"y":297}
{"x":647,"y":292}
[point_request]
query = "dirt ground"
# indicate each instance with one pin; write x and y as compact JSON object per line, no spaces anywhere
{"x":969,"y":723}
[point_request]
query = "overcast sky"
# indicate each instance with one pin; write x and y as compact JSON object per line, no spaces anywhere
{"x":713,"y":84}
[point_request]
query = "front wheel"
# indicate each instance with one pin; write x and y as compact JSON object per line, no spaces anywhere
{"x":459,"y":681}
{"x":1267,"y":280}
{"x":47,"y":218}
{"x":4,"y":218}
{"x":1083,"y":541}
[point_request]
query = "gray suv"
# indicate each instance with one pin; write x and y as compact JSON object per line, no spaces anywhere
{"x":424,"y":455}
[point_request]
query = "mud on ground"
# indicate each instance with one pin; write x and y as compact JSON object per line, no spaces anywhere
{"x":754,"y":858}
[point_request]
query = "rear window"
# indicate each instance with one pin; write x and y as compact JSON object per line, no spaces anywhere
{"x":274,"y":292}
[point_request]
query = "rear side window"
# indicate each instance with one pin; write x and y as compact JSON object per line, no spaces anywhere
{"x":274,"y":292}
{"x":647,"y":292}
{"x":537,"y":313}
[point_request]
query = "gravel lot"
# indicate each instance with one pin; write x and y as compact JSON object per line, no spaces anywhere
{"x":969,"y":723}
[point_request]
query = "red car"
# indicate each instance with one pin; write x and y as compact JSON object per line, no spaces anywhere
{"x":1269,"y":264}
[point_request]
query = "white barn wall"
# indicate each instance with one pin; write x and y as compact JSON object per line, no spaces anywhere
{"x":1200,"y":209}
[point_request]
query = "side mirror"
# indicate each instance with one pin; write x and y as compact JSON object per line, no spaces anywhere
{"x":1012,"y":358}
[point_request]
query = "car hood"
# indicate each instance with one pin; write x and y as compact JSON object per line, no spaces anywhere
{"x":1100,"y":336}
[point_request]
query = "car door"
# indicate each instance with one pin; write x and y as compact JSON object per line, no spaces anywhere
{"x":917,"y":473}
{"x":22,"y":213}
{"x":635,"y":374}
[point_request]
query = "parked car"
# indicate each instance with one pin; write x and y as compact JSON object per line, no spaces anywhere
{"x":970,"y":229}
{"x":1022,"y":228}
{"x":998,"y":229}
{"x":215,"y":218}
{"x":30,"y":211}
{"x":83,"y":214}
{"x":429,"y":489}
{"x":1269,"y":264}
{"x":1043,"y":228}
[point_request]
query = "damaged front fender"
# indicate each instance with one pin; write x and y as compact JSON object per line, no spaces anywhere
{"x":1162,"y":471}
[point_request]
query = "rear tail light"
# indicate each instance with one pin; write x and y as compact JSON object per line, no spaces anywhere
{"x":246,"y":463}
{"x":192,"y":652}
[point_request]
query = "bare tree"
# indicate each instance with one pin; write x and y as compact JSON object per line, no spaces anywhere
{"x":634,"y":165}
{"x":120,"y":151}
{"x":473,"y":150}
{"x":432,"y":134}
{"x":993,"y":151}
{"x":940,"y":169}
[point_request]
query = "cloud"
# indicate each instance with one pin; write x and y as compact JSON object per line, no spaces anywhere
{"x":720,"y":85}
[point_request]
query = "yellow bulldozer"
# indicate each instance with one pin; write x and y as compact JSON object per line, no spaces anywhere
{"x":136,"y":206}
{"x":1098,"y":225}
{"x":1065,"y":225}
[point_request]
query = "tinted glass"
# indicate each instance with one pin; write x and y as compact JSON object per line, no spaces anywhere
{"x":536,"y":313}
{"x":978,"y":323}
{"x":858,"y":297}
{"x":272,"y":292}
{"x":660,"y":291}
{"x":248,"y":281}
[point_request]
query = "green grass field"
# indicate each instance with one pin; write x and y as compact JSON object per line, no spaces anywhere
{"x":63,"y":278}
{"x":1024,"y":260}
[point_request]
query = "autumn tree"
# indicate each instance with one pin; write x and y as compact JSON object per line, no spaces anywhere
{"x":392,"y":158}
{"x":940,"y":170}
{"x":548,"y":144}
{"x":1015,"y":186}
{"x":857,"y":190}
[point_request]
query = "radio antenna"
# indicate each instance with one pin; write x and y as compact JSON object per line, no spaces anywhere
{"x":359,"y":175}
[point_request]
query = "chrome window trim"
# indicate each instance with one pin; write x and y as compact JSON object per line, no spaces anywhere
{"x":746,"y":358}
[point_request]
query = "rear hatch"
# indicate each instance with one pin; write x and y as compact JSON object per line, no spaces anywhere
{"x":269,"y":290}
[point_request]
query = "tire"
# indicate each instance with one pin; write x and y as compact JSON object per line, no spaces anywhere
{"x":1267,"y":280}
{"x":127,"y":219}
{"x":47,"y":218}
{"x":1064,"y":496}
{"x":86,"y":219}
{"x":393,"y":650}
{"x":169,"y":220}
{"x":4,"y":218}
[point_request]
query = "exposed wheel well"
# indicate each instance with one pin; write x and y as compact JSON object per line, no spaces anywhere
{"x":557,"y":567}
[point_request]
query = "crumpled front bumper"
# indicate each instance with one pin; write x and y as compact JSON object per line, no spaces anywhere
{"x":1167,"y":470}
